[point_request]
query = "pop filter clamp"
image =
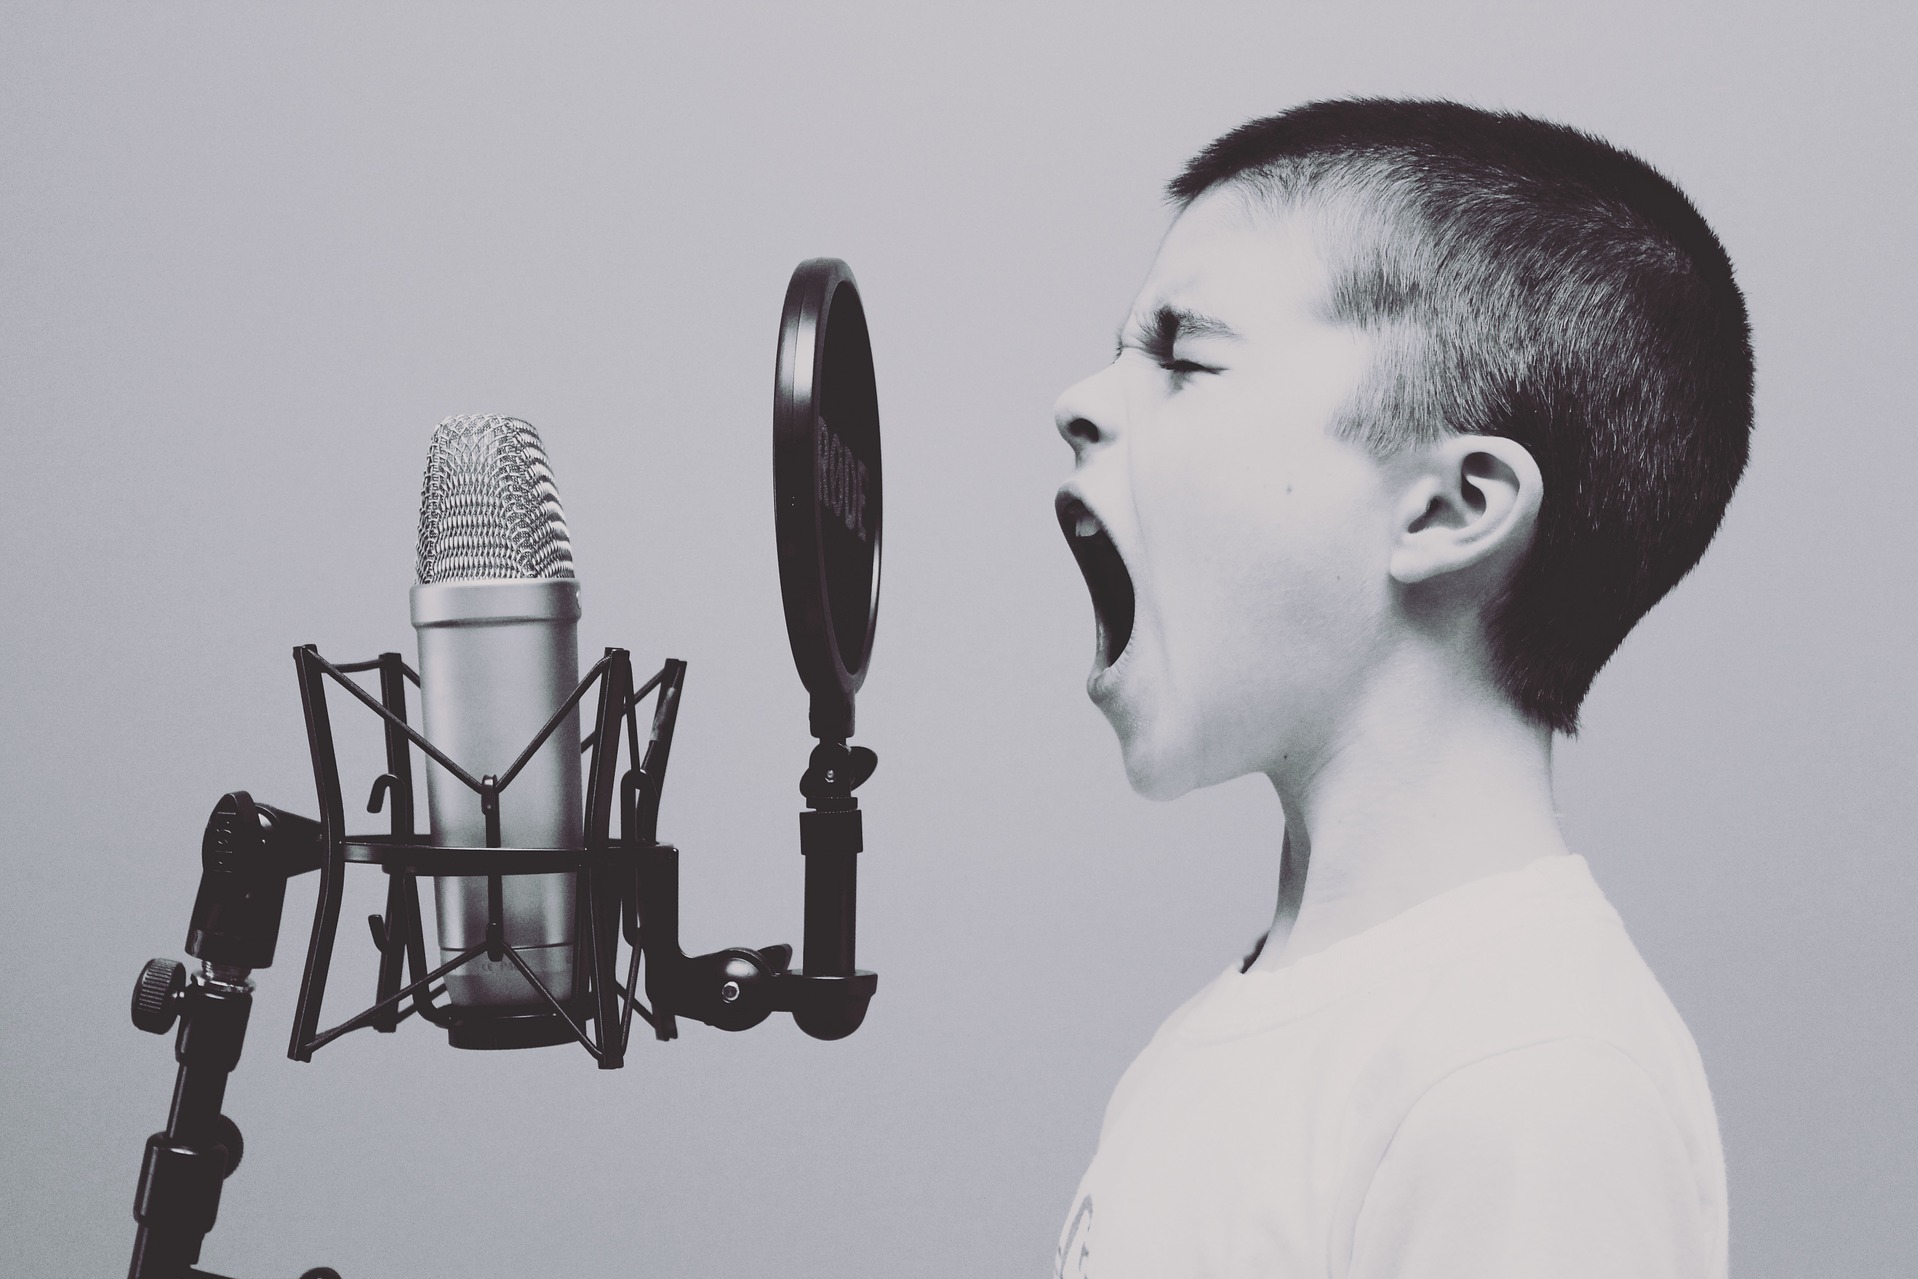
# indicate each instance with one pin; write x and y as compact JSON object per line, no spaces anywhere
{"x":827,"y":496}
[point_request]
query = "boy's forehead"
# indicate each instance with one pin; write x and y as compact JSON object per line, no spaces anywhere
{"x":1245,"y":266}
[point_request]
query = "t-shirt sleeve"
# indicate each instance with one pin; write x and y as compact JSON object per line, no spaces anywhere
{"x":1556,"y":1161}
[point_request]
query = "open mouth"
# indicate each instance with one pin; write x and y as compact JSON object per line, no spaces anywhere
{"x":1105,"y":574}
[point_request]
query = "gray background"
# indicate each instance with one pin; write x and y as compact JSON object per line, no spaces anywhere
{"x":250,"y":254}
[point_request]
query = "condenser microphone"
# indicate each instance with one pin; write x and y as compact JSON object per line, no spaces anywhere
{"x":497,"y":613}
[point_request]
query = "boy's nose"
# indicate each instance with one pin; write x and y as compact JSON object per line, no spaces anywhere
{"x":1087,"y":414}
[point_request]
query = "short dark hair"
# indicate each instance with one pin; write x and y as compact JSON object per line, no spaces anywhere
{"x":1528,"y":280}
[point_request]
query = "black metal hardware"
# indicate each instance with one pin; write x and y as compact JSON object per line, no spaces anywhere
{"x":629,"y":894}
{"x":156,"y":996}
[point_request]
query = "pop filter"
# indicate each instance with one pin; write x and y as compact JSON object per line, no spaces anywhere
{"x":826,"y":488}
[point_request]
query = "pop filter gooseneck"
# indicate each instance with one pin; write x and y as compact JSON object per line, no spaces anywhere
{"x":826,"y":487}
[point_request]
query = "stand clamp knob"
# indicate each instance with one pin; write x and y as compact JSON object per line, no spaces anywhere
{"x":157,"y":995}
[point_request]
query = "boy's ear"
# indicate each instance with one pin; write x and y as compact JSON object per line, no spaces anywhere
{"x":1467,"y":500}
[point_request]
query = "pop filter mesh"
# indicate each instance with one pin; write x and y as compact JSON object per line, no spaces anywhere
{"x":488,"y":505}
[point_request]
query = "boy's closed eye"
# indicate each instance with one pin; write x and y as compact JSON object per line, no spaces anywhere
{"x":1183,"y":369}
{"x":1158,"y":339}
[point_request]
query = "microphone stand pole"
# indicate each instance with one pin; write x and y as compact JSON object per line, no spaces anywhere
{"x":249,"y":853}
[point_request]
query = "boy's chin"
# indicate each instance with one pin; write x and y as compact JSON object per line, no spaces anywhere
{"x":1165,"y":764}
{"x":1156,"y":769}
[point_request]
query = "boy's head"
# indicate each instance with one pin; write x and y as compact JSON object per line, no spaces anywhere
{"x":1356,"y":297}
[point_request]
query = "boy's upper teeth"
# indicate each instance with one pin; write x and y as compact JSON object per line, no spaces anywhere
{"x":1086,"y":527}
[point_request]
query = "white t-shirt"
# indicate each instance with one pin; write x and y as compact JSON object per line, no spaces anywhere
{"x":1490,"y":1085}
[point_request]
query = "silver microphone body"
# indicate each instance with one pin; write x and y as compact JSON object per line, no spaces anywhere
{"x":497,"y":657}
{"x":497,"y":615}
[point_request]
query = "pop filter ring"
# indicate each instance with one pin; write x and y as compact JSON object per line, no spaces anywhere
{"x":827,"y":491}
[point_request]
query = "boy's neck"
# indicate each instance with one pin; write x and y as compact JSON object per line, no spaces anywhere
{"x":1430,"y":784}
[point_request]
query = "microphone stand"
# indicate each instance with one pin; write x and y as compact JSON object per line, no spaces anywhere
{"x":826,"y":490}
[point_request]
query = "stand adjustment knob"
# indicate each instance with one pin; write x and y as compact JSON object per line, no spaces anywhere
{"x":228,"y":1133}
{"x":156,"y":996}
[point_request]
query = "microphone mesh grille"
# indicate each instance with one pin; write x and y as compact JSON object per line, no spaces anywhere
{"x":488,"y":505}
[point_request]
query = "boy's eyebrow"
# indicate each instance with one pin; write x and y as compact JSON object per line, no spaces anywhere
{"x":1169,"y":324}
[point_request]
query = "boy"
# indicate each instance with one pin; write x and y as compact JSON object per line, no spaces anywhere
{"x":1420,"y":408}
